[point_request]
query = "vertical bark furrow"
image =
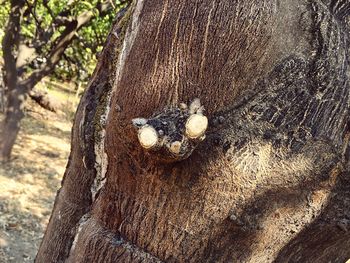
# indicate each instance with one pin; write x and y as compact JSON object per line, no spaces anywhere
{"x":180,"y":71}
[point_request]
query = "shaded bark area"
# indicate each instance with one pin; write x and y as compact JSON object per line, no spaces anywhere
{"x":269,"y":183}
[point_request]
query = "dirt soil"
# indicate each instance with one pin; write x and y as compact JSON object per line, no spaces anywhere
{"x":28,"y":184}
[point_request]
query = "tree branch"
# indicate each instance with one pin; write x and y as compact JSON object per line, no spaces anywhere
{"x":61,"y":44}
{"x":45,"y":4}
{"x":30,"y":9}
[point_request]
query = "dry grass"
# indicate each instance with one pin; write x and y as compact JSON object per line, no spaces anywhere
{"x":28,"y":184}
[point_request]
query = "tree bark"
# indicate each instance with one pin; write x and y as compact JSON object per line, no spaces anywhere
{"x":269,"y":183}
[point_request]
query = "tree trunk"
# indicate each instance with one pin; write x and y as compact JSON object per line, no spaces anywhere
{"x":2,"y":92}
{"x":15,"y":93}
{"x":269,"y":183}
{"x":11,"y":123}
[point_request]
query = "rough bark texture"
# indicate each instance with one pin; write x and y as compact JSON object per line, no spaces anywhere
{"x":270,"y":183}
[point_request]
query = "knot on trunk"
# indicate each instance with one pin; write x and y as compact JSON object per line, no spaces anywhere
{"x":174,"y":133}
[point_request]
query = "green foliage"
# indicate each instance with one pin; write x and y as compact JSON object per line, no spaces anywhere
{"x":79,"y":59}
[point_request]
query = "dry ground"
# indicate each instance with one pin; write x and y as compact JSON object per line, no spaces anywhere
{"x":28,"y":184}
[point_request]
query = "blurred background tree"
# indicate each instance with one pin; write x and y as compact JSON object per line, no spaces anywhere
{"x":56,"y":38}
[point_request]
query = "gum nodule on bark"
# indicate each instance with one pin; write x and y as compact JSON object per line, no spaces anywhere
{"x":196,"y":126}
{"x":173,"y":134}
{"x":148,"y":137}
